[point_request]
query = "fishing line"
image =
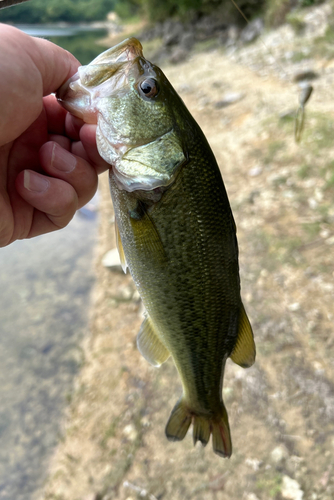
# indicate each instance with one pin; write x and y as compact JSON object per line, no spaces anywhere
{"x":305,"y":92}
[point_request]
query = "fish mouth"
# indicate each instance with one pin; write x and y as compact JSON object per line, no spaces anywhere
{"x":106,"y":74}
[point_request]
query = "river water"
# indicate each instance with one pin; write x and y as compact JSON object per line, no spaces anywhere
{"x":45,"y":287}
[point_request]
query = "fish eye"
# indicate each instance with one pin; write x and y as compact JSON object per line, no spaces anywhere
{"x":149,"y":88}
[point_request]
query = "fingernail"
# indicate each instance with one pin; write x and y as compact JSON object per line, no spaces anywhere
{"x":35,"y":182}
{"x":62,"y":160}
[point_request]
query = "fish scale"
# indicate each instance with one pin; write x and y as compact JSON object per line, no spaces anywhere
{"x":174,"y":230}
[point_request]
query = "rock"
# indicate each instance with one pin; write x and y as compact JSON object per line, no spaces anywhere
{"x":208,"y":26}
{"x":254,"y":463}
{"x":178,"y":55}
{"x":112,"y":261}
{"x":255,"y":171}
{"x":232,"y":35}
{"x":130,"y":432}
{"x":317,"y":20}
{"x":291,"y":489}
{"x":279,"y":454}
{"x":187,"y":40}
{"x":124,"y":294}
{"x":172,"y":32}
{"x":252,"y":31}
{"x":251,"y":496}
{"x":229,"y":99}
{"x":295,"y":306}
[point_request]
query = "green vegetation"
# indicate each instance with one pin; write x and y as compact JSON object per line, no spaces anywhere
{"x":41,"y":11}
{"x":270,"y":484}
{"x":278,"y":11}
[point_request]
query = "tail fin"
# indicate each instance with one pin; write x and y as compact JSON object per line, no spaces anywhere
{"x":221,"y":437}
{"x":181,"y":418}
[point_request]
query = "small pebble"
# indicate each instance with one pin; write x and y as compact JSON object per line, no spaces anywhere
{"x":291,"y":489}
{"x":229,"y":99}
{"x":111,"y":260}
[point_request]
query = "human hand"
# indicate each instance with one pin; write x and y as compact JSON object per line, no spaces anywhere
{"x":48,"y":159}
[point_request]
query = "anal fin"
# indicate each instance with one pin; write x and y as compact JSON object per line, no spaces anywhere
{"x":149,"y":344}
{"x":244,"y":350}
{"x":120,"y":249}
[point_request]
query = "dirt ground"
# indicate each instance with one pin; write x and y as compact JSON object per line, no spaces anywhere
{"x":281,"y":410}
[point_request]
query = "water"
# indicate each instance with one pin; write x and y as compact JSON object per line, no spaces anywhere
{"x":45,"y":286}
{"x":62,"y":30}
{"x":80,"y":40}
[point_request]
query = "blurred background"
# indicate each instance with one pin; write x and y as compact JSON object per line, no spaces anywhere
{"x":82,"y":414}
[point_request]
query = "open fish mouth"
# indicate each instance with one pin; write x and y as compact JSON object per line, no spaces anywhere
{"x":106,"y":74}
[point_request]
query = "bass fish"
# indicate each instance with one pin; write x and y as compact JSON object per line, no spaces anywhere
{"x":174,"y":228}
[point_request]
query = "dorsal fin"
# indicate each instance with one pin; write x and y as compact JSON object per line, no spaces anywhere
{"x":244,"y":351}
{"x":149,"y":344}
{"x":120,"y":248}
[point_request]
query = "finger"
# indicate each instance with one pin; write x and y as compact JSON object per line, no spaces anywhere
{"x":73,"y":125}
{"x":61,"y":164}
{"x":53,"y":197}
{"x":55,"y":114}
{"x":32,"y":68}
{"x":64,"y":142}
{"x":55,"y":64}
{"x":88,"y":139}
{"x":78,"y":150}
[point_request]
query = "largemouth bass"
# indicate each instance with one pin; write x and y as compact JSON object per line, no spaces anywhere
{"x":175,"y":231}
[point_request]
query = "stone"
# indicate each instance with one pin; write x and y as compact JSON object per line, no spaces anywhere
{"x":279,"y":454}
{"x":295,"y":306}
{"x":178,"y":55}
{"x":111,"y":260}
{"x":255,"y":171}
{"x":229,"y":99}
{"x":251,"y":496}
{"x":187,"y":40}
{"x":252,"y":31}
{"x":291,"y":489}
{"x":172,"y":32}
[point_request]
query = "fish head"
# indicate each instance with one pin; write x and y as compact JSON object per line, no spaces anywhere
{"x":131,"y":101}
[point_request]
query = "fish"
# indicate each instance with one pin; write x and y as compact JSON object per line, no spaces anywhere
{"x":175,"y":231}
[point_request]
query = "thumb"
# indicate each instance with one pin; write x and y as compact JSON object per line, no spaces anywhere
{"x":30,"y":68}
{"x":55,"y":64}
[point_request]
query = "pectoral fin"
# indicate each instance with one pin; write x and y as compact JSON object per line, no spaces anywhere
{"x":120,"y":248}
{"x":146,"y":236}
{"x":244,"y":351}
{"x":149,"y":344}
